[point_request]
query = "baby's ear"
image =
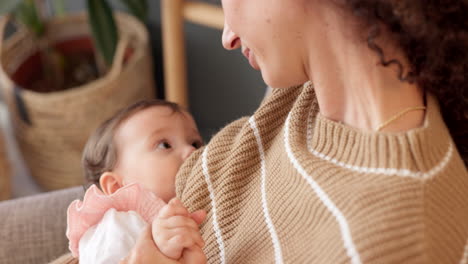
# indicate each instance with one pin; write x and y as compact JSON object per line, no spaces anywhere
{"x":110,"y":182}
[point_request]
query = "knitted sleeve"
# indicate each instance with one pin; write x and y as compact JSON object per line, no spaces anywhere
{"x":191,"y":186}
{"x":202,"y":178}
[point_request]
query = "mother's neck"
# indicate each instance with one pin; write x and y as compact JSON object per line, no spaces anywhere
{"x":351,"y":86}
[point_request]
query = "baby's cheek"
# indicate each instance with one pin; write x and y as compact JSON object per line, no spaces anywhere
{"x":166,"y":194}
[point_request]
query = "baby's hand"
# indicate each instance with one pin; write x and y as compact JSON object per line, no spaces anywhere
{"x":175,"y":229}
{"x":194,"y":255}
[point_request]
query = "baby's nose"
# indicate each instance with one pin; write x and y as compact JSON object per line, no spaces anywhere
{"x":187,"y":151}
{"x":230,"y":40}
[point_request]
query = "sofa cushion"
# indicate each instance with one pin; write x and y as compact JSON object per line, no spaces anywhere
{"x":32,"y":228}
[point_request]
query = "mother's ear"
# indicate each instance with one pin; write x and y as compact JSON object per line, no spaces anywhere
{"x":110,"y":182}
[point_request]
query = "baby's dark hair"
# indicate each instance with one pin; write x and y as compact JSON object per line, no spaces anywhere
{"x":100,"y":152}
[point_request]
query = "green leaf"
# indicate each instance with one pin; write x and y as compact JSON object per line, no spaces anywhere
{"x":59,"y":7}
{"x":6,"y":6}
{"x":103,"y":28}
{"x":27,"y":14}
{"x":138,"y":8}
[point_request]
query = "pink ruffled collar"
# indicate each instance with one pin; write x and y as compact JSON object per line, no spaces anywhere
{"x":82,"y":215}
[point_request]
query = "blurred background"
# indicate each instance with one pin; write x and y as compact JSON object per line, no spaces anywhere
{"x":222,"y":85}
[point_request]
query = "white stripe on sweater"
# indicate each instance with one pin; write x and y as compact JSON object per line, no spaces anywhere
{"x":216,"y":228}
{"x":269,"y":222}
{"x":384,"y":171}
{"x":464,"y":259}
{"x":342,"y":222}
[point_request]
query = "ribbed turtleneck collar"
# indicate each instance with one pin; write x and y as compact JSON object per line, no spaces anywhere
{"x":419,"y":152}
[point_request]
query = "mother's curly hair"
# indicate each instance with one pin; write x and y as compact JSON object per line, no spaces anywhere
{"x":433,"y":34}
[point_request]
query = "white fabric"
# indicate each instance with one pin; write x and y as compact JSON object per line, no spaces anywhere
{"x":112,"y":239}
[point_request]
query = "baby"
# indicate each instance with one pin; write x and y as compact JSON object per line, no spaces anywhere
{"x":132,"y":160}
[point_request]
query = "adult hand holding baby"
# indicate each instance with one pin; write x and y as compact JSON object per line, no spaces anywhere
{"x":173,"y":237}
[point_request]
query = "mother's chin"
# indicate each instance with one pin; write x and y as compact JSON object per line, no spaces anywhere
{"x":281,"y":78}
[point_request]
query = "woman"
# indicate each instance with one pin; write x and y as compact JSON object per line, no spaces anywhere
{"x":364,"y":162}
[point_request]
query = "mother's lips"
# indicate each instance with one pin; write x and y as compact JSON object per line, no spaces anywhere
{"x":246,"y":53}
{"x":250,"y":57}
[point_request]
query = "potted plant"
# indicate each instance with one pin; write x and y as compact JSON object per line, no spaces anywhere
{"x":63,"y":75}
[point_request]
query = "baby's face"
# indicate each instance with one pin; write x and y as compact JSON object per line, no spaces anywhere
{"x":152,"y":145}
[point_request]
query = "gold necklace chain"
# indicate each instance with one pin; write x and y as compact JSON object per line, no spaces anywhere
{"x":398,"y":115}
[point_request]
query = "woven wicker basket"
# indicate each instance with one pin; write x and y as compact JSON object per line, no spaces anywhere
{"x":5,"y":169}
{"x":62,"y":121}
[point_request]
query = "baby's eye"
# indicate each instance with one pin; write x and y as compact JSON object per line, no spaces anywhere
{"x":197,"y":144}
{"x":164,"y":145}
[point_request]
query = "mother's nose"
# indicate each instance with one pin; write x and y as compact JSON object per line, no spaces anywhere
{"x":230,"y":40}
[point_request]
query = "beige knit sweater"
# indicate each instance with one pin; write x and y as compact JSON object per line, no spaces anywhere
{"x":288,"y":185}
